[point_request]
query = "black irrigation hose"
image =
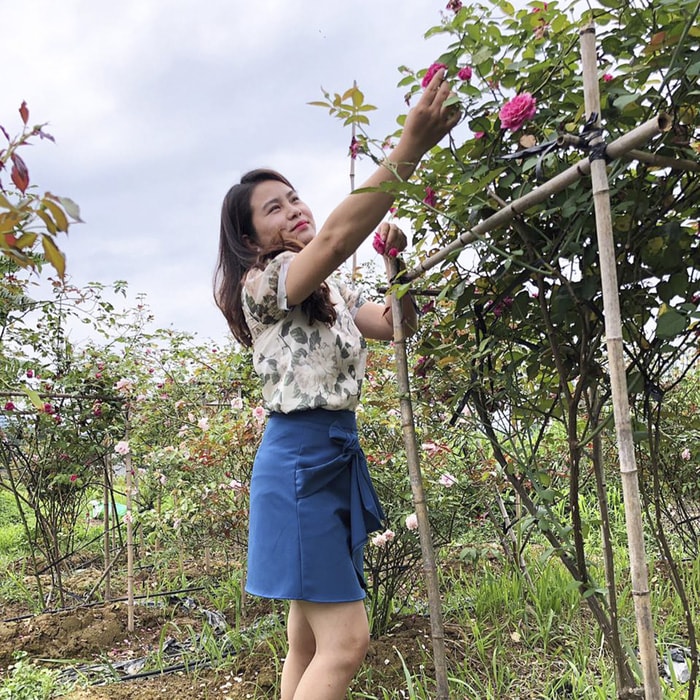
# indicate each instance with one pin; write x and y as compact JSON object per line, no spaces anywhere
{"x":196,"y":665}
{"x":103,"y":602}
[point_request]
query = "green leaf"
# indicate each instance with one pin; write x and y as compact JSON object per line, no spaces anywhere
{"x":33,"y":397}
{"x":71,"y":208}
{"x":670,"y":322}
{"x":54,"y":256}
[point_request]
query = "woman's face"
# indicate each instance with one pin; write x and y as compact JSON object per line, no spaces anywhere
{"x":278,"y":213}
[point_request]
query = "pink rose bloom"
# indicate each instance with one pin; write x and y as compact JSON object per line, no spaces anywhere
{"x":431,"y":448}
{"x":412,"y":522}
{"x":9,"y":406}
{"x":389,"y":535}
{"x":379,"y":540}
{"x":378,"y":243}
{"x":259,"y":414}
{"x":122,"y":447}
{"x":685,"y":454}
{"x":448,"y":480}
{"x":434,"y":68}
{"x":465,"y":73}
{"x":607,"y":77}
{"x":454,"y":5}
{"x":517,"y":111}
{"x":430,"y":199}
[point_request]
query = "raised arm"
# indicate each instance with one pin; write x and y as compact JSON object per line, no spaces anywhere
{"x":357,"y":216}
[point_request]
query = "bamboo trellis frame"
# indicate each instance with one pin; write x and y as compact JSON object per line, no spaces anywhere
{"x":623,"y":147}
{"x":618,"y":381}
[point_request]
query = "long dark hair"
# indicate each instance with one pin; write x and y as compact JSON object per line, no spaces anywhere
{"x":239,"y":252}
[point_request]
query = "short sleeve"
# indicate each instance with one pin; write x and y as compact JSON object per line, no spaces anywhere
{"x":351,"y":296}
{"x":264,"y":296}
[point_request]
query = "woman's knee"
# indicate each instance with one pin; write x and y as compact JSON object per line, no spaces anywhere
{"x":354,"y":649}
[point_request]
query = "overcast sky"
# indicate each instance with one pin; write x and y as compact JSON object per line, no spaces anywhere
{"x":158,"y":107}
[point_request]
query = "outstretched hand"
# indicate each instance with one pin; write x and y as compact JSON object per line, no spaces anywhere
{"x":389,"y":240}
{"x":430,"y":119}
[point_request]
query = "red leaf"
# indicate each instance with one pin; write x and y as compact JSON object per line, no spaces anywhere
{"x":24,"y":112}
{"x":20,"y":174}
{"x":2,"y":128}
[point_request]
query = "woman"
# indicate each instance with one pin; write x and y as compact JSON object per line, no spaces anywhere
{"x":312,"y":503}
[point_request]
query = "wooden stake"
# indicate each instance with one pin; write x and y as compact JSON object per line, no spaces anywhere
{"x":129,"y":540}
{"x":419,"y":503}
{"x":107,"y":504}
{"x":618,"y":380}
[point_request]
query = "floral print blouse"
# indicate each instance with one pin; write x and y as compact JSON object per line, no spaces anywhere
{"x":302,"y":365}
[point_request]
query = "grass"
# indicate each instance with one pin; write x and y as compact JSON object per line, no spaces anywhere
{"x":27,"y":681}
{"x":508,"y":638}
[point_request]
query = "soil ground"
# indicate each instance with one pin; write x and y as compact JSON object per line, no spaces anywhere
{"x":85,"y":637}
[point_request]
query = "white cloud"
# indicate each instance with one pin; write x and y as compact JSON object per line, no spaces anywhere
{"x":158,"y":106}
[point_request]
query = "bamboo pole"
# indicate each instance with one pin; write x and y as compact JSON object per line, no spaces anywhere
{"x":416,"y":478}
{"x":616,"y":149}
{"x":618,"y":381}
{"x":106,"y":503}
{"x":352,"y":181}
{"x":128,"y":518}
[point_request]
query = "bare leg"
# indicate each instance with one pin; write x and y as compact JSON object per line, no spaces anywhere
{"x":302,"y":647}
{"x":341,"y":636}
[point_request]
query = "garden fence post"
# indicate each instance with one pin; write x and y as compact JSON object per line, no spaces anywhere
{"x":618,"y":378}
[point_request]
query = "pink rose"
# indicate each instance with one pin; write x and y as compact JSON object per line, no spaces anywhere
{"x":434,"y":68}
{"x":122,"y":447}
{"x":73,"y":477}
{"x":465,"y":73}
{"x":430,"y":199}
{"x":454,"y":5}
{"x":9,"y":406}
{"x":607,"y":77}
{"x":412,"y":522}
{"x":517,"y":111}
{"x":378,"y":243}
{"x":448,"y":480}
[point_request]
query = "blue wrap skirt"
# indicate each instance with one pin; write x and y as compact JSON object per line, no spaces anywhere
{"x":312,"y":505}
